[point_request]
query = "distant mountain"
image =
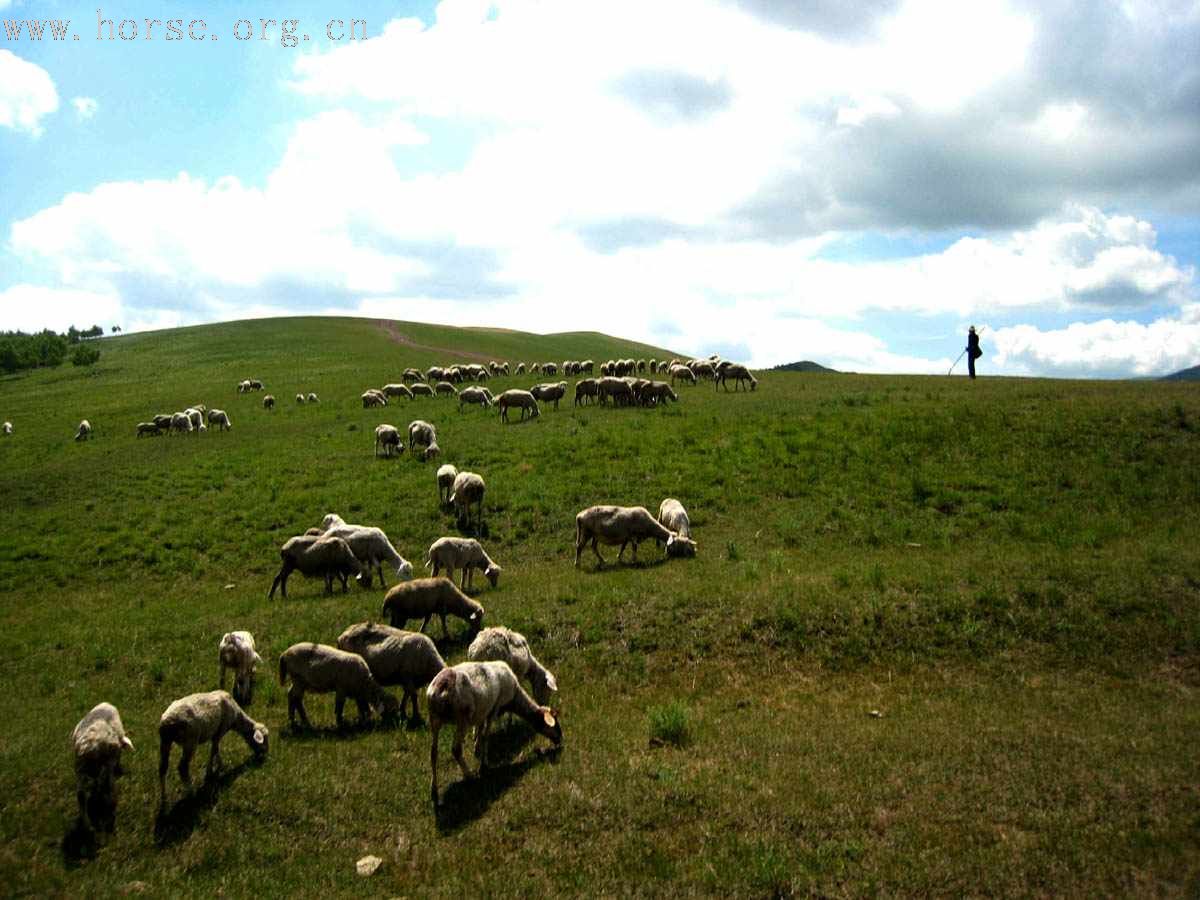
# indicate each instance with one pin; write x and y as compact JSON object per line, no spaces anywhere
{"x":1192,"y":374}
{"x":805,"y":366}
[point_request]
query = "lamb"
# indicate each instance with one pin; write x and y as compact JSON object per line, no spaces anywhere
{"x":7,"y":427}
{"x":84,"y":431}
{"x":181,"y":422}
{"x":453,"y":553}
{"x":150,"y":428}
{"x":672,"y":516}
{"x":197,"y":718}
{"x":620,"y":525}
{"x":320,"y":668}
{"x":220,"y":418}
{"x":472,"y":694}
{"x":547,"y":392}
{"x":468,"y":488}
{"x":397,"y":390}
{"x":445,"y":387}
{"x":423,"y":597}
{"x":268,"y":402}
{"x":371,"y":398}
{"x":98,"y":741}
{"x":313,"y":398}
{"x":479,"y":395}
{"x":515,"y":397}
{"x":421,"y":432}
{"x":389,"y":437}
{"x":502,"y":644}
{"x":370,"y":545}
{"x":739,"y":374}
{"x":236,"y":651}
{"x":585,"y":388}
{"x":315,"y":555}
{"x":420,"y":389}
{"x":395,"y":657}
{"x":445,"y":482}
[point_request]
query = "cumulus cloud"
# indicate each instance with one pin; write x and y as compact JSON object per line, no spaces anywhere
{"x":85,"y":107}
{"x":27,"y":94}
{"x":1106,"y":348}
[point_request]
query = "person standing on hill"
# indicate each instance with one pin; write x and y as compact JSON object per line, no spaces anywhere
{"x":973,"y":351}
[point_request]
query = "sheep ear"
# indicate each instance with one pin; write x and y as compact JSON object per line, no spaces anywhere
{"x":126,"y":743}
{"x":259,"y":737}
{"x":473,"y":617}
{"x":551,"y":682}
{"x":549,"y":718}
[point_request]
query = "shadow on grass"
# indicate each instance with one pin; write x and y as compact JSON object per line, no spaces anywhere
{"x":347,"y":732}
{"x":613,"y":565}
{"x":175,"y":824}
{"x":467,"y":799}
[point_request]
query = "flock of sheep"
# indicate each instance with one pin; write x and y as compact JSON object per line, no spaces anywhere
{"x":370,"y":656}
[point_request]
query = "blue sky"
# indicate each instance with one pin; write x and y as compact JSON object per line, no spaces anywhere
{"x":852,"y":183}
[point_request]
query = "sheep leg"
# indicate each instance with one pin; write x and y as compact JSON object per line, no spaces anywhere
{"x":595,"y":540}
{"x":81,"y":795}
{"x":424,"y":624}
{"x":281,"y":580}
{"x":466,"y":578}
{"x":621,"y":552}
{"x":379,"y":569}
{"x":185,"y":764}
{"x":445,"y":630}
{"x":460,"y":732}
{"x":364,"y":710}
{"x":339,"y":705}
{"x":214,"y":758}
{"x":296,"y":705}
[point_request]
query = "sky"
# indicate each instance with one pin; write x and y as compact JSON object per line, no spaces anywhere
{"x":772,"y":180}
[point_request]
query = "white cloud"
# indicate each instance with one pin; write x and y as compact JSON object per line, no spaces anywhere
{"x":27,"y":94}
{"x":31,"y":307}
{"x":1106,"y":348}
{"x":85,"y":107}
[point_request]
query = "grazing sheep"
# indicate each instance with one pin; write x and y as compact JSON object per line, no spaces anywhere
{"x":471,"y":694}
{"x":435,"y":373}
{"x":431,"y":452}
{"x":181,"y":422}
{"x":370,"y":545}
{"x":395,"y":657}
{"x":620,"y":525}
{"x":243,"y":387}
{"x":479,"y":395}
{"x":98,"y":741}
{"x":549,"y":368}
{"x":163,"y":422}
{"x":373,"y":398}
{"x":389,"y":437}
{"x":500,"y":643}
{"x":535,"y":368}
{"x":150,"y":428}
{"x":255,"y":384}
{"x":422,"y":433}
{"x":682,"y":372}
{"x":673,"y":517}
{"x":617,"y":388}
{"x":445,"y":387}
{"x":547,"y":392}
{"x":468,"y":488}
{"x":658,"y":391}
{"x":236,"y":651}
{"x":453,"y":553}
{"x":738,"y":373}
{"x":420,"y":389}
{"x":315,"y":555}
{"x":585,"y":388}
{"x":411,"y":375}
{"x":84,"y":431}
{"x":520,"y":369}
{"x":220,"y":418}
{"x":703,"y":369}
{"x":588,"y":366}
{"x":522,"y":399}
{"x":421,"y":598}
{"x":397,"y":390}
{"x":7,"y":427}
{"x":195,"y":719}
{"x":268,"y":402}
{"x":300,"y":399}
{"x":321,"y":669}
{"x":313,"y":398}
{"x":445,"y":482}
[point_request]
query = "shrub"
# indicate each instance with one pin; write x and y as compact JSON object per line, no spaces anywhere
{"x":85,"y":356}
{"x":669,"y":724}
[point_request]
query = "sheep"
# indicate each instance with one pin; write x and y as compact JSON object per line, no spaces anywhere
{"x":181,"y":422}
{"x":472,"y":694}
{"x":588,"y":366}
{"x":420,"y":389}
{"x":255,"y":384}
{"x":515,"y":397}
{"x":320,"y":669}
{"x":370,"y":545}
{"x":243,"y":387}
{"x":411,"y":375}
{"x":431,"y":452}
{"x":372,"y":398}
{"x":389,"y":437}
{"x":682,"y":372}
{"x":423,"y":597}
{"x":395,"y":657}
{"x":616,"y":388}
{"x":468,"y":488}
{"x":703,"y":369}
{"x":203,"y":429}
{"x":620,"y":525}
{"x":397,"y":390}
{"x":300,"y":399}
{"x":84,"y":431}
{"x":162,"y":421}
{"x":502,"y":644}
{"x":314,"y":555}
{"x":520,"y":369}
{"x":547,"y":392}
{"x":738,"y":373}
{"x":549,"y":369}
{"x":452,"y":553}
{"x":313,"y":398}
{"x":98,"y":741}
{"x":268,"y":402}
{"x":195,"y":416}
{"x":421,"y":432}
{"x":435,"y":373}
{"x":659,"y":391}
{"x":479,"y":395}
{"x":236,"y":651}
{"x":197,"y":718}
{"x":672,"y":516}
{"x":445,"y":387}
{"x":220,"y":418}
{"x":7,"y":427}
{"x":150,"y":428}
{"x":445,"y":482}
{"x":585,"y":388}
{"x":535,"y":368}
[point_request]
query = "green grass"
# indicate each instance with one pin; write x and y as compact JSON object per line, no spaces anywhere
{"x":1007,"y":571}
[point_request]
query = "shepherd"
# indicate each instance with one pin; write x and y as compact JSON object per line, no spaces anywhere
{"x":973,"y":351}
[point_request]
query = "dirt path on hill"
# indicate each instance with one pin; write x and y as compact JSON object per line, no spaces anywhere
{"x":397,"y":336}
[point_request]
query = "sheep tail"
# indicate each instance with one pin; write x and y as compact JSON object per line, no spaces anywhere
{"x":283,"y":670}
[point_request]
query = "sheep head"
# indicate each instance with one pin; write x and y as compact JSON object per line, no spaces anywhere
{"x":493,"y":573}
{"x":679,"y":547}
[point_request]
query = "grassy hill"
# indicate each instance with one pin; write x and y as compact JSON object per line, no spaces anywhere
{"x":806,"y":365}
{"x":941,"y":637}
{"x":1192,"y":374}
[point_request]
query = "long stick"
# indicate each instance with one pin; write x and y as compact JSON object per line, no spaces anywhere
{"x":960,"y":356}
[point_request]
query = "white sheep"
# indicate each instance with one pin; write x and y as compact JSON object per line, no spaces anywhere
{"x":150,"y":428}
{"x":445,"y":482}
{"x":622,"y":525}
{"x":468,"y":488}
{"x":372,"y":397}
{"x":98,"y":741}
{"x":219,"y":418}
{"x":522,"y":399}
{"x":551,"y":391}
{"x":395,"y":657}
{"x":738,"y":373}
{"x":313,"y":398}
{"x":318,"y":555}
{"x":422,"y":598}
{"x":445,"y":387}
{"x":421,"y":432}
{"x":388,"y":437}
{"x":500,"y":643}
{"x":454,"y":553}
{"x":181,"y":422}
{"x":7,"y":427}
{"x":421,"y":389}
{"x":321,"y":669}
{"x":370,"y":545}
{"x":236,"y":651}
{"x":397,"y":390}
{"x":268,"y":402}
{"x":84,"y":431}
{"x":472,"y":694}
{"x":672,"y":516}
{"x":195,"y":719}
{"x":243,"y":387}
{"x":473,"y":394}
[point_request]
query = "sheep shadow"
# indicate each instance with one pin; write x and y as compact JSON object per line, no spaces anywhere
{"x":348,"y":732}
{"x":467,"y":799}
{"x":612,"y":565}
{"x":175,"y":824}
